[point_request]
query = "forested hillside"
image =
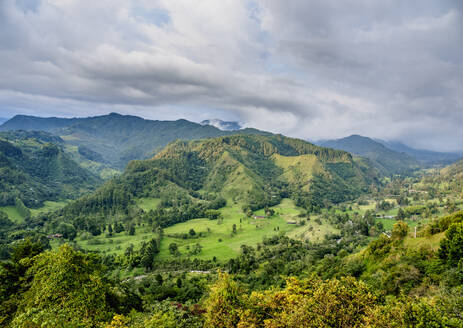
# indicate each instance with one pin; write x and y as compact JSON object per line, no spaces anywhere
{"x":34,"y":169}
{"x":387,"y":161}
{"x":253,"y":171}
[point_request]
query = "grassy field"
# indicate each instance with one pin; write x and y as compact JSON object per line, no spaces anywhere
{"x":12,"y":213}
{"x":48,"y":206}
{"x":216,"y":238}
{"x":219,"y":241}
{"x":116,"y":244}
{"x":148,"y":204}
{"x":389,"y":223}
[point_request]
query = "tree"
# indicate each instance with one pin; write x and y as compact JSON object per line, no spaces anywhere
{"x":173,"y":248}
{"x":159,"y":279}
{"x":192,"y":232}
{"x":12,"y":276}
{"x":196,"y":249}
{"x":118,"y":227}
{"x":67,"y":230}
{"x":400,"y":215}
{"x":223,"y":304}
{"x":148,"y":252}
{"x":67,"y":288}
{"x":399,"y":230}
{"x":451,"y":247}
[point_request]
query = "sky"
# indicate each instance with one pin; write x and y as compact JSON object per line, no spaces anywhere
{"x":313,"y":69}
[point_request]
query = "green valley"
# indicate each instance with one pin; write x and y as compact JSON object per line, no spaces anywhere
{"x":278,"y":224}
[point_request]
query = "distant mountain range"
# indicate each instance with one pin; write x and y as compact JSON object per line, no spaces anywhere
{"x":223,"y":125}
{"x":105,"y":144}
{"x":114,"y":139}
{"x":3,"y":120}
{"x":386,"y":160}
{"x":390,"y":157}
{"x":34,"y":123}
{"x":425,"y":157}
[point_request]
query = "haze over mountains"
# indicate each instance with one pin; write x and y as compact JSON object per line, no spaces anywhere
{"x":106,"y":143}
{"x":425,"y":157}
{"x":390,"y":157}
{"x":223,"y":125}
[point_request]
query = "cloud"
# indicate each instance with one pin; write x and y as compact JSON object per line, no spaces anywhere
{"x":311,"y":69}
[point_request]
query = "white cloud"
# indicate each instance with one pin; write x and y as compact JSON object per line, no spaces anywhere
{"x":312,"y":69}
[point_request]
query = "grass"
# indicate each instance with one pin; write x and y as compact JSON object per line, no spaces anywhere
{"x":12,"y":213}
{"x":249,"y":231}
{"x":389,"y":223}
{"x":218,"y":239}
{"x":116,"y":244}
{"x":48,"y":206}
{"x":432,"y":241}
{"x":148,"y":204}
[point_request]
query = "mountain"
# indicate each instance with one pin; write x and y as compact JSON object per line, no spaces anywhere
{"x":223,"y":125}
{"x":31,"y":123}
{"x":252,"y":170}
{"x":114,"y":140}
{"x":3,"y":120}
{"x":386,"y":160}
{"x":34,"y":168}
{"x":452,"y":175}
{"x":425,"y":157}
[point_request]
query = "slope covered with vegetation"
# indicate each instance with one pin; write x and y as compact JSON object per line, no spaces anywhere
{"x":387,"y":161}
{"x":34,"y":169}
{"x":190,"y":178}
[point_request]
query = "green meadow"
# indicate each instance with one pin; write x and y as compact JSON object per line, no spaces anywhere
{"x":48,"y":206}
{"x":216,"y":237}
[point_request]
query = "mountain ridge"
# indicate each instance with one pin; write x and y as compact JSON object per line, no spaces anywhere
{"x":117,"y":139}
{"x":386,"y":160}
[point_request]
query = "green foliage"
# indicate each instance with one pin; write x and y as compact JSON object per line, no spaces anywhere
{"x":313,"y":302}
{"x":451,"y":248}
{"x":224,"y":304}
{"x":66,"y":289}
{"x":33,"y":170}
{"x":399,"y":230}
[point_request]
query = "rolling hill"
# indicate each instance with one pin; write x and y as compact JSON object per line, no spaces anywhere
{"x":387,"y":161}
{"x":34,"y":169}
{"x":187,"y":178}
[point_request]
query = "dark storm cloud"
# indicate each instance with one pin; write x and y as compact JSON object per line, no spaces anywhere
{"x":318,"y":69}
